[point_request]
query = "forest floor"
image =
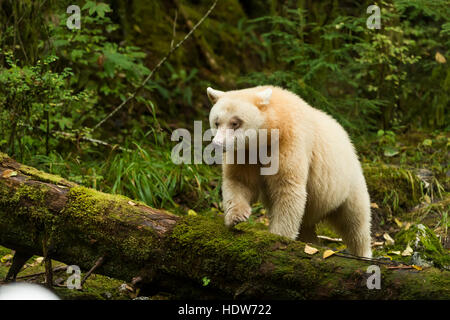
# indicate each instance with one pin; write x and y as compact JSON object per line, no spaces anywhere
{"x":408,"y":179}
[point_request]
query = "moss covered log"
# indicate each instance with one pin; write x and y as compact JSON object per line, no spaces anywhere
{"x":192,"y":256}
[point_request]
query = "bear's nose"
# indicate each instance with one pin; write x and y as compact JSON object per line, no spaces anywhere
{"x":217,"y":144}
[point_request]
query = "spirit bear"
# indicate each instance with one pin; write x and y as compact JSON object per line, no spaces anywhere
{"x":319,"y":175}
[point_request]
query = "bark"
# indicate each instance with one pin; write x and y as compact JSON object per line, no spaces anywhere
{"x":41,"y":213}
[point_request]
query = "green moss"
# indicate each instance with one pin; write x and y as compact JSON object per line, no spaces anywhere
{"x":102,"y":215}
{"x":209,"y":241}
{"x":44,"y":177}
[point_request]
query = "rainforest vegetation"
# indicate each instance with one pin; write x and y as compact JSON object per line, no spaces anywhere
{"x":96,"y":107}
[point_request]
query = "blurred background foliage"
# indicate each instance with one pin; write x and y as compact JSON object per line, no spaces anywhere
{"x":388,"y":87}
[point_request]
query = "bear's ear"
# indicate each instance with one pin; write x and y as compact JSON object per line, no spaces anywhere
{"x":214,"y":95}
{"x":264,"y":97}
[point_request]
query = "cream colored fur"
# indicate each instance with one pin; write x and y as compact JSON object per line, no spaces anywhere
{"x":319,"y":174}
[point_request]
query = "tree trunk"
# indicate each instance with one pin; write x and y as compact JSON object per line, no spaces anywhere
{"x":191,"y":256}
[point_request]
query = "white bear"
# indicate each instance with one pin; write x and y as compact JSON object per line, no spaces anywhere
{"x":319,"y":175}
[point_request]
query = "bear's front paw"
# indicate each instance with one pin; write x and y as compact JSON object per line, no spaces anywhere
{"x":239,"y":213}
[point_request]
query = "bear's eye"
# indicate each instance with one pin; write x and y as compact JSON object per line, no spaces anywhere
{"x":235,"y":123}
{"x":216,"y":124}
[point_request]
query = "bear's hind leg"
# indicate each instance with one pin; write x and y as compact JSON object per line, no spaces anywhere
{"x":352,"y":221}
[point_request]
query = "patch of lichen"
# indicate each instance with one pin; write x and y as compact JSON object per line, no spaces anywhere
{"x":395,"y":188}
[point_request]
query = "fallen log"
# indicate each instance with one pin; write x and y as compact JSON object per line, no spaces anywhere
{"x":190,"y":256}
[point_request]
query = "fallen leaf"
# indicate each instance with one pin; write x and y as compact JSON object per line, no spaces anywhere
{"x":191,"y":212}
{"x":417,"y":267}
{"x":439,"y":57}
{"x":373,"y":205}
{"x":408,"y":225}
{"x":328,"y":253}
{"x":395,"y":252}
{"x":39,"y":259}
{"x":310,"y":250}
{"x":9,"y":173}
{"x":377,"y":243}
{"x":389,"y":240}
{"x":131,"y":203}
{"x":408,"y":251}
{"x":6,"y":258}
{"x":386,"y":256}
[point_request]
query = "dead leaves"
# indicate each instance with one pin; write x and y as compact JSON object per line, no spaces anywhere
{"x":328,"y":253}
{"x":310,"y":250}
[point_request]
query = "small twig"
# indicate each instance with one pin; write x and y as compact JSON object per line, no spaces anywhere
{"x":97,"y":264}
{"x":156,"y":68}
{"x":379,"y":261}
{"x":91,"y":140}
{"x":330,"y":239}
{"x":209,"y":59}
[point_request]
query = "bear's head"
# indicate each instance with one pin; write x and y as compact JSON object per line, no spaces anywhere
{"x":237,"y":116}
